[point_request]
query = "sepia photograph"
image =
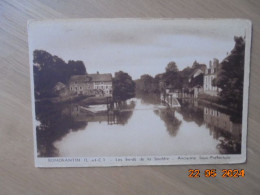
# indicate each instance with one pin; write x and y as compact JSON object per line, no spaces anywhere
{"x":129,"y":92}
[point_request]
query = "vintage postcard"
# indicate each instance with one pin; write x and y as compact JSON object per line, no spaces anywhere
{"x":129,"y":92}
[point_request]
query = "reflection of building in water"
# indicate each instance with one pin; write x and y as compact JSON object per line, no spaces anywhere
{"x":112,"y":116}
{"x":79,"y":114}
{"x":221,"y":125}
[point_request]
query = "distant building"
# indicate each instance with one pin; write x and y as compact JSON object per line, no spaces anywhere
{"x":60,"y":89}
{"x":196,"y":81}
{"x":169,"y":90}
{"x":210,"y":74}
{"x":196,"y":73}
{"x":92,"y":84}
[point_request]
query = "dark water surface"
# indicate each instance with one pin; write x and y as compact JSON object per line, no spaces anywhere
{"x":142,"y":127}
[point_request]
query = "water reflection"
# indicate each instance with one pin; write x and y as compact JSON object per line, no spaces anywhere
{"x":140,"y":126}
{"x":223,"y":125}
{"x":171,"y":122}
{"x":191,"y":111}
{"x":119,"y":115}
{"x":55,"y":122}
{"x":222,"y":128}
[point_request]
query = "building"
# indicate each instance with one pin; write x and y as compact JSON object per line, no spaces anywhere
{"x":210,"y":74}
{"x":60,"y":89}
{"x":171,"y":91}
{"x":92,"y":84}
{"x":196,"y":73}
{"x":196,"y":81}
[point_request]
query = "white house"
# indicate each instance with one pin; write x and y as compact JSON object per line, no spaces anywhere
{"x":210,"y":74}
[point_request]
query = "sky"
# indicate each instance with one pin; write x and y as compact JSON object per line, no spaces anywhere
{"x":135,"y":46}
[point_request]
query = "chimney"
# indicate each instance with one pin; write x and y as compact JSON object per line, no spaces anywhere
{"x":210,"y":64}
{"x":97,"y":72}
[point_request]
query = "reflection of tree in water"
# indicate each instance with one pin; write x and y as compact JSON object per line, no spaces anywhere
{"x":55,"y":123}
{"x":171,"y":122}
{"x":122,"y":113}
{"x":191,"y":113}
{"x":229,"y":144}
{"x":229,"y":147}
{"x":149,"y":98}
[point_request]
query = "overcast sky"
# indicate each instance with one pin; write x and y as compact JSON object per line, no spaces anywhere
{"x":135,"y":46}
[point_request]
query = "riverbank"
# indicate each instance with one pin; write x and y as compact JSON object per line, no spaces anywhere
{"x":217,"y":102}
{"x":94,"y":101}
{"x":66,"y":99}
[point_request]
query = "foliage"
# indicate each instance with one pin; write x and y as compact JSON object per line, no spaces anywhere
{"x":230,"y":76}
{"x":123,"y":86}
{"x":196,"y":81}
{"x":172,"y":78}
{"x":191,"y":113}
{"x":171,"y":67}
{"x":49,"y":69}
{"x":147,"y":84}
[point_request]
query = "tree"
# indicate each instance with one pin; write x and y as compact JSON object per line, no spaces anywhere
{"x":147,"y":84}
{"x":196,"y":81}
{"x":123,"y":86}
{"x":230,"y":77}
{"x":49,"y":69}
{"x":171,"y":67}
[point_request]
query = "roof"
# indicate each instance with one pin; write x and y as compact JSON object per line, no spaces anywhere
{"x":196,"y":73}
{"x":91,"y":77}
{"x":60,"y":84}
{"x":101,"y":77}
{"x":80,"y":78}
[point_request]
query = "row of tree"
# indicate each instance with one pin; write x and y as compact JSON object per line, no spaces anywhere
{"x":172,"y":78}
{"x":230,"y":77}
{"x":48,"y":70}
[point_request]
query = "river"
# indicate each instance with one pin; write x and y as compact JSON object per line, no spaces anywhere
{"x":142,"y":127}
